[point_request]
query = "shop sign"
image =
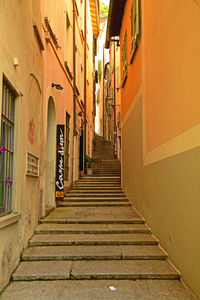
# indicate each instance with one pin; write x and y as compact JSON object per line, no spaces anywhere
{"x":60,"y":152}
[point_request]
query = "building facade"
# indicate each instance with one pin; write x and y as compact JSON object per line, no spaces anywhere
{"x":160,"y":108}
{"x":47,"y":57}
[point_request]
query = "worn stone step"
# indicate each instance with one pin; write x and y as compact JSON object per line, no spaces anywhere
{"x":102,"y":183}
{"x":94,"y":191}
{"x":99,"y":200}
{"x":92,"y":239}
{"x":95,"y":199}
{"x":97,"y":186}
{"x":109,"y":269}
{"x":91,"y":228}
{"x":93,"y":253}
{"x":123,"y":270}
{"x":95,"y":203}
{"x":98,"y":290}
{"x":92,"y":177}
{"x":95,"y":195}
{"x":100,"y":179}
{"x":94,"y":221}
{"x":94,"y":215}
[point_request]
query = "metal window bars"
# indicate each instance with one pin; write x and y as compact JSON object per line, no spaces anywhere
{"x":7,"y":149}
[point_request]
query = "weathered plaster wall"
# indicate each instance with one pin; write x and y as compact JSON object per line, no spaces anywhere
{"x":18,"y":40}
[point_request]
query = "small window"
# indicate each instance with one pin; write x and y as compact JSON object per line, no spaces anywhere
{"x":118,"y":78}
{"x":135,"y":27}
{"x":7,"y":148}
{"x":124,"y":60}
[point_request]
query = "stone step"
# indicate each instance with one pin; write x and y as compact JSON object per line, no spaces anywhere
{"x":93,"y":221}
{"x":95,"y":191}
{"x":109,"y":269}
{"x":123,"y":270}
{"x":85,"y":177}
{"x":92,"y":239}
{"x":94,"y":215}
{"x":97,"y":186}
{"x":102,"y":182}
{"x":91,"y":228}
{"x":93,"y":253}
{"x":101,"y":178}
{"x":94,"y":185}
{"x":93,"y":204}
{"x":106,"y":182}
{"x":96,"y":195}
{"x":91,"y":199}
{"x":98,"y":289}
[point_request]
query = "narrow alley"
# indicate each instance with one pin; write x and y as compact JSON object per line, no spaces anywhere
{"x":95,"y":245}
{"x":99,"y":150}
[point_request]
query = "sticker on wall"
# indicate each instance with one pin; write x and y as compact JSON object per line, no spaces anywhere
{"x":8,"y":181}
{"x":2,"y":148}
{"x":60,"y":163}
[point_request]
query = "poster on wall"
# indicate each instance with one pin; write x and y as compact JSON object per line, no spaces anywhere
{"x":60,"y":152}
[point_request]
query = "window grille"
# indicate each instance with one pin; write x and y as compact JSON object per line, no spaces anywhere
{"x":67,"y":131}
{"x":7,"y":148}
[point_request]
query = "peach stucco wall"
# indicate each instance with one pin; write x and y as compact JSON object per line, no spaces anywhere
{"x":172,"y":64}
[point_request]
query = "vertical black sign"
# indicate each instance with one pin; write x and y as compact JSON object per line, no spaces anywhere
{"x":81,"y":151}
{"x":60,"y":152}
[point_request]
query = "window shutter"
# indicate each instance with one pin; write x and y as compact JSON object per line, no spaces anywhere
{"x":135,"y":26}
{"x":137,"y":29}
{"x":124,"y":59}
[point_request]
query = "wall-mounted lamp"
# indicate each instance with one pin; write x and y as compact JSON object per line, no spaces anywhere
{"x":79,"y":114}
{"x":57,"y":86}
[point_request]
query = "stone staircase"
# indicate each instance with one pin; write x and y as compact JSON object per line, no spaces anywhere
{"x":95,"y":245}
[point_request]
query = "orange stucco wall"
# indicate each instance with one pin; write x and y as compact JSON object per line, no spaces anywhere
{"x":134,"y":78}
{"x":172,"y":64}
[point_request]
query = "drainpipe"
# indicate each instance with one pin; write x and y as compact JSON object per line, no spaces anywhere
{"x":74,"y":67}
{"x":74,"y":93}
{"x":103,"y":98}
{"x":115,"y":125}
{"x":85,"y":83}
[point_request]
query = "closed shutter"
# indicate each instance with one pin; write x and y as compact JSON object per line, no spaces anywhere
{"x":135,"y":26}
{"x":124,"y":60}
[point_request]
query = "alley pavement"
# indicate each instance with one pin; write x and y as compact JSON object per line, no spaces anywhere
{"x":95,"y":245}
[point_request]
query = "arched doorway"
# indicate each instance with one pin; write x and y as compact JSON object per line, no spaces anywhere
{"x":50,"y":155}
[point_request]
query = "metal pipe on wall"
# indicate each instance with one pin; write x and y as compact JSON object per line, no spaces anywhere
{"x":85,"y":82}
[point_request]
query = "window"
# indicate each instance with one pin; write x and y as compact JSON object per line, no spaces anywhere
{"x":67,"y":131}
{"x":117,"y":78}
{"x":135,"y":27}
{"x":124,"y":60}
{"x":7,"y":148}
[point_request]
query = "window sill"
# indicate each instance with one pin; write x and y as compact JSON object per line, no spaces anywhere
{"x":9,"y":219}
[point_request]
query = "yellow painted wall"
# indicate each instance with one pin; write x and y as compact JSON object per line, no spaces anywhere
{"x":161,"y":128}
{"x":172,"y":64}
